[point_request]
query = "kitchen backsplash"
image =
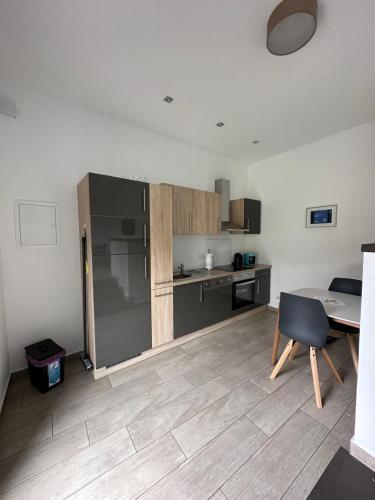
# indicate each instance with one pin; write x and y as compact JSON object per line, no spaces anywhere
{"x":191,"y":250}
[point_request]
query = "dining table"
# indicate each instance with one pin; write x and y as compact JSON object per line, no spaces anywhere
{"x":341,"y":307}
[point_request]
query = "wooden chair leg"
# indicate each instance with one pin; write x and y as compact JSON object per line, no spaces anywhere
{"x":294,"y":351}
{"x":282,"y":360}
{"x":276,"y":341}
{"x":315,"y":377}
{"x":353,"y":350}
{"x":329,"y":362}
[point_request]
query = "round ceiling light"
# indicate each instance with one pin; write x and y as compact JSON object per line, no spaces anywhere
{"x":291,"y":25}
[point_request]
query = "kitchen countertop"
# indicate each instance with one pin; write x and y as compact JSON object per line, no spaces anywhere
{"x":203,"y":275}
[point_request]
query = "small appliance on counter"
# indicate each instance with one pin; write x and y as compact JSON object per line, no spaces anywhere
{"x":209,"y":260}
{"x":249,"y":259}
{"x":237,"y":262}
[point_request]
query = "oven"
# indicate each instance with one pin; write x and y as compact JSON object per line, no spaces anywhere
{"x":243,"y":292}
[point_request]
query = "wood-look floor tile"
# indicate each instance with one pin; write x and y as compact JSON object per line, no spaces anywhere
{"x":344,"y":430}
{"x":279,"y":406}
{"x":290,"y":369}
{"x":137,"y":474}
{"x":246,"y":370}
{"x":203,"y":374}
{"x":219,"y":495}
{"x":200,"y":476}
{"x":23,"y":437}
{"x":310,"y":474}
{"x":194,"y":433}
{"x":41,"y":456}
{"x":145,"y":367}
{"x":83,"y":410}
{"x":351,"y":410}
{"x":67,"y":477}
{"x":115,"y":418}
{"x":336,"y":397}
{"x":53,"y":402}
{"x":269,"y":473}
{"x":167,"y":417}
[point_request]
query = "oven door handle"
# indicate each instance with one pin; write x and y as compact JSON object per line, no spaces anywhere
{"x":245,"y":283}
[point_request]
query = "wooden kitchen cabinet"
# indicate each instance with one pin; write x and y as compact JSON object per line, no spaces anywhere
{"x":196,"y":211}
{"x":182,"y":209}
{"x":201,"y":212}
{"x":215,"y":211}
{"x":161,"y":240}
{"x":162,"y":315}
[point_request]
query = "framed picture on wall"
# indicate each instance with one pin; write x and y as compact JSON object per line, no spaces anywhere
{"x":321,"y":216}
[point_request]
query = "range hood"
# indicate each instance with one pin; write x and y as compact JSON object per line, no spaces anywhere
{"x":222,"y":186}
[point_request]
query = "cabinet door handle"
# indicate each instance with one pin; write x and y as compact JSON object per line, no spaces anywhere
{"x":164,"y":294}
{"x":146,"y":270}
{"x":201,"y":293}
{"x":144,"y":235}
{"x":163,"y":282}
{"x":258,"y":287}
{"x":144,"y":199}
{"x":248,"y":224}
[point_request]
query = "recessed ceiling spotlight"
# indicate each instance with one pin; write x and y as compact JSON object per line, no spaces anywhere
{"x":220,"y":124}
{"x":255,"y":141}
{"x":168,"y":99}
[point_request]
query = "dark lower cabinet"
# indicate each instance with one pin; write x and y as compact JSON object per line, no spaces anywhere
{"x":262,"y":287}
{"x":201,"y":304}
{"x":188,"y":308}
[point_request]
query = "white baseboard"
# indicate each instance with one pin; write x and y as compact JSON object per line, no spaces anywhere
{"x":2,"y":398}
{"x":362,"y":454}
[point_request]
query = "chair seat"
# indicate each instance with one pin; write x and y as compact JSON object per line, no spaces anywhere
{"x":342,"y":328}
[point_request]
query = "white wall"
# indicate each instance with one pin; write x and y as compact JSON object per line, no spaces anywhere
{"x":364,"y":436}
{"x":43,"y":154}
{"x":339,"y":169}
{"x":4,"y":353}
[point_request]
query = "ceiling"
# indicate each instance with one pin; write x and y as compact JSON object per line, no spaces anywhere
{"x":122,"y":57}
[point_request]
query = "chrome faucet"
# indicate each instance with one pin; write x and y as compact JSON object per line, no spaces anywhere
{"x":181,"y":268}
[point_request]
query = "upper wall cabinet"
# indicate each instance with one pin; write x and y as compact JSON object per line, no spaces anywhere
{"x":196,"y":211}
{"x":182,"y":209}
{"x":246,"y":214}
{"x":116,"y":197}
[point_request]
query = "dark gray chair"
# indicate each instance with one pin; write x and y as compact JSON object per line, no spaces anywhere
{"x":304,"y":321}
{"x":353,"y":287}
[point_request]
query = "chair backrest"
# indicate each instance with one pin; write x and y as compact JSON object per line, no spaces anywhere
{"x":346,"y":285}
{"x":303,"y":319}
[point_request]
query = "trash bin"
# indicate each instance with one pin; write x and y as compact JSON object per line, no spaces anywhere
{"x":46,"y":362}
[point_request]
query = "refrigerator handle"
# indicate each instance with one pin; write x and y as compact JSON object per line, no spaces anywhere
{"x":146,"y":270}
{"x":145,"y":235}
{"x":144,"y":199}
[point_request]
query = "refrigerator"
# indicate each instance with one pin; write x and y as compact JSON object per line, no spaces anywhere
{"x":120,"y":233}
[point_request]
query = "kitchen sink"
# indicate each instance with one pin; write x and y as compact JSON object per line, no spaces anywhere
{"x":181,"y":276}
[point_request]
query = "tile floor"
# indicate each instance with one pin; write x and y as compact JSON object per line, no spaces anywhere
{"x":200,"y":421}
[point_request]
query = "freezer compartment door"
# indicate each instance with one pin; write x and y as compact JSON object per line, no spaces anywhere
{"x":117,"y":235}
{"x":122,"y":305}
{"x":117,"y":197}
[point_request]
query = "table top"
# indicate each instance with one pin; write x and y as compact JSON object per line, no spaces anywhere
{"x":346,"y":309}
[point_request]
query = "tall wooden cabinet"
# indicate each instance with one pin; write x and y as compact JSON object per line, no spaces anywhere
{"x":161,"y":253}
{"x":196,"y":211}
